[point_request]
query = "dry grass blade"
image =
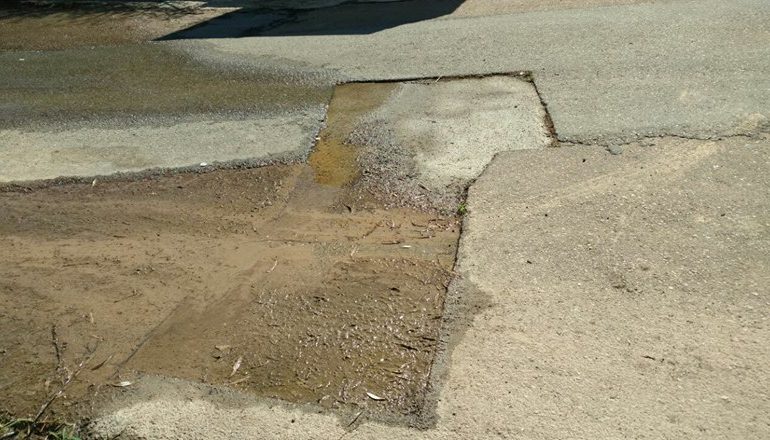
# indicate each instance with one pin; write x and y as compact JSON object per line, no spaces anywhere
{"x":101,"y":364}
{"x":355,"y":418}
{"x":241,"y":380}
{"x":87,"y":358}
{"x":236,"y":366}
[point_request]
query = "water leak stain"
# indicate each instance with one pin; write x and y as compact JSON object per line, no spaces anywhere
{"x":334,"y":162}
{"x":334,"y":158}
{"x":140,"y":82}
{"x":67,"y":25}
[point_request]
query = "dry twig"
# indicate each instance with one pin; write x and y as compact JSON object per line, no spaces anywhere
{"x":87,"y":358}
{"x":56,"y":347}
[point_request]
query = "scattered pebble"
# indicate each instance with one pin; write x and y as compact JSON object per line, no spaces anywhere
{"x":615,"y":150}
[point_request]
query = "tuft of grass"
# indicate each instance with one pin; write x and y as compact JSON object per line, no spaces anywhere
{"x":462,"y":209}
{"x":64,"y":434}
{"x":17,"y":428}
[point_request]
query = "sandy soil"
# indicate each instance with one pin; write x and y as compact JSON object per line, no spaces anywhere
{"x":186,"y":275}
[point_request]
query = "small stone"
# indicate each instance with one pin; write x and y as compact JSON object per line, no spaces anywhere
{"x":615,"y":150}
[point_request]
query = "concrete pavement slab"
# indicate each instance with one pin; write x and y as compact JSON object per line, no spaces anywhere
{"x":37,"y":155}
{"x":439,"y":134}
{"x":628,"y":293}
{"x":476,"y":8}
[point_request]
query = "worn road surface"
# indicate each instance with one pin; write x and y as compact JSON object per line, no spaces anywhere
{"x":608,"y":73}
{"x":614,"y":287}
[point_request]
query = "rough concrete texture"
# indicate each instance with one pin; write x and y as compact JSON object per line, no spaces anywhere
{"x":453,"y":128}
{"x":608,"y":74}
{"x":102,"y":151}
{"x":627,"y":298}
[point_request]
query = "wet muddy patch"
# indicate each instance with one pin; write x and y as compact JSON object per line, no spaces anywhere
{"x":335,"y":158}
{"x":258,"y":279}
{"x":56,"y":25}
{"x":288,"y":281}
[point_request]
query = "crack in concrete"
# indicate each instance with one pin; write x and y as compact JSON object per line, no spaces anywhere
{"x":646,"y":139}
{"x":547,"y":120}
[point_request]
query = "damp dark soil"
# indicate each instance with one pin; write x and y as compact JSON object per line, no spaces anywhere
{"x":39,"y":25}
{"x":287,"y":281}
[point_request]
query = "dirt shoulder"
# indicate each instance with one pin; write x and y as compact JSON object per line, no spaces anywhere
{"x":258,"y":279}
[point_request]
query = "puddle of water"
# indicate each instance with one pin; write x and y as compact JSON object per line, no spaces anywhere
{"x":334,"y":158}
{"x":133,"y":82}
{"x":334,"y":162}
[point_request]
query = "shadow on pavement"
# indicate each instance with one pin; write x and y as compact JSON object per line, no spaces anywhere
{"x":266,"y":18}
